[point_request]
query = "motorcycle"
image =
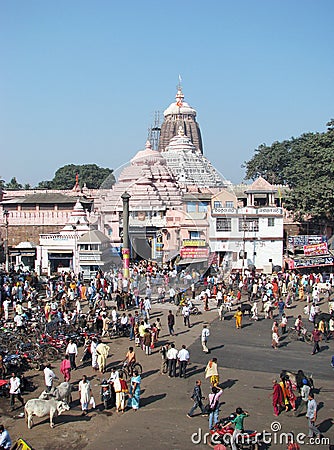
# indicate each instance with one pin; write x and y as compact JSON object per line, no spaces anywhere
{"x":247,"y":440}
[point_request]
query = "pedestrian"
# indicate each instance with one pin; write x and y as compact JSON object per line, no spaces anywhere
{"x":281,"y":306}
{"x":85,"y":393}
{"x":134,"y":394}
{"x":316,"y":338}
{"x":277,"y":395}
{"x":197,"y":398}
{"x":147,"y":307}
{"x":15,"y":390}
{"x":303,"y":399}
{"x":49,"y":376}
{"x":5,"y":440}
{"x":171,"y":322}
{"x":159,"y":326}
{"x":238,"y":318}
{"x":274,"y":336}
{"x":214,"y":397}
{"x":72,"y":351}
{"x":65,"y":368}
{"x":204,"y":338}
{"x":164,"y":362}
{"x":211,"y":371}
{"x":102,"y":351}
{"x":186,"y":315}
{"x":93,"y":347}
{"x":147,"y":341}
{"x":283,"y":324}
{"x":172,"y":358}
{"x":121,"y":388}
{"x":311,"y":415}
{"x":183,"y":356}
{"x":238,"y":423}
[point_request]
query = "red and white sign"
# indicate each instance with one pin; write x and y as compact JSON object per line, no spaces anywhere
{"x":316,"y":249}
{"x":194,"y":252}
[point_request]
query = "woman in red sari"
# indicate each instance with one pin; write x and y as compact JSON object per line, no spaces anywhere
{"x":65,"y":368}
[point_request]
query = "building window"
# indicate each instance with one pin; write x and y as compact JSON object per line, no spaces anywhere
{"x":229,"y":204}
{"x":248,"y":224}
{"x":217,"y":204}
{"x":223,"y":224}
{"x":191,"y":207}
{"x":203,"y":207}
{"x":194,"y":234}
{"x":271,"y":221}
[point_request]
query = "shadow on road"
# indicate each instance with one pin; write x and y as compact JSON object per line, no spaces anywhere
{"x":325,"y":425}
{"x":151,"y":399}
{"x":227,"y":384}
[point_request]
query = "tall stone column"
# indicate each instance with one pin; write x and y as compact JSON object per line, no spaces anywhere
{"x":126,"y":242}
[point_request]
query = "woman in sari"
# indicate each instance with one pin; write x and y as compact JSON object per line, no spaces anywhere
{"x":134,"y":395}
{"x":211,"y":372}
{"x":65,"y":368}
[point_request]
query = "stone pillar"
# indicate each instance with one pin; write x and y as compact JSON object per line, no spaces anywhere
{"x":126,"y":244}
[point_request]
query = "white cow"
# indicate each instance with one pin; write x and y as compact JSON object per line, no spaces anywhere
{"x":61,"y":392}
{"x":41,"y":408}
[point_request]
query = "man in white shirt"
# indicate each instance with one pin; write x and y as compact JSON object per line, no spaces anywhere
{"x":5,"y":305}
{"x":147,"y":307}
{"x":14,"y":390}
{"x":204,"y":338}
{"x":172,"y":358}
{"x":18,"y":320}
{"x":186,"y":315}
{"x":72,"y":352}
{"x":183,"y":357}
{"x":49,"y":376}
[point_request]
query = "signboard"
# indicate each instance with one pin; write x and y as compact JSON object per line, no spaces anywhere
{"x":270,"y":211}
{"x":193,"y":252}
{"x":314,"y":262}
{"x":316,"y":249}
{"x":224,"y":211}
{"x":194,"y":243}
{"x":300,"y":241}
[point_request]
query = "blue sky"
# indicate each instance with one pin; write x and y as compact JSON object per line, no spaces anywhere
{"x":80,"y":81}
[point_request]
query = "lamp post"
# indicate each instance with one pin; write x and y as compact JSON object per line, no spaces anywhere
{"x":6,"y":215}
{"x":126,"y":247}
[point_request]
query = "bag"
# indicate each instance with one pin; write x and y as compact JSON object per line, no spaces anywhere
{"x":92,"y":402}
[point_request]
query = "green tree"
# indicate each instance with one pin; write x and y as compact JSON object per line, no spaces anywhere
{"x":13,"y":185}
{"x":90,"y":174}
{"x":306,"y":165}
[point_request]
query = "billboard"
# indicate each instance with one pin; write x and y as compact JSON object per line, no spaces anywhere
{"x":316,"y":249}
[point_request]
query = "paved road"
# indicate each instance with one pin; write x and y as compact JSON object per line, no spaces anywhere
{"x":250,"y":349}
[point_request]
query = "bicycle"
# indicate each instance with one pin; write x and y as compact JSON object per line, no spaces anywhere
{"x":127,"y":371}
{"x":302,"y":335}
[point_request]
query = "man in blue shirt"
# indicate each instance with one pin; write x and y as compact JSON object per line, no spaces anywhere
{"x":312,"y":416}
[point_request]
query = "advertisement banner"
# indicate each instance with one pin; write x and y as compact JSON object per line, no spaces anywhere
{"x":194,"y":253}
{"x":314,"y":262}
{"x":316,"y":249}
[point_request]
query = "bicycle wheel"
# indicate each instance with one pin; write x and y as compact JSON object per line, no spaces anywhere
{"x":293,"y":335}
{"x":124,"y":374}
{"x":51,"y":353}
{"x":138,"y":368}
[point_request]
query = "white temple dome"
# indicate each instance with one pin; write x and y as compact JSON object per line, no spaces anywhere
{"x":148,"y":156}
{"x":180,"y":106}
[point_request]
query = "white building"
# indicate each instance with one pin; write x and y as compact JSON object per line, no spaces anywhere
{"x":247,"y":235}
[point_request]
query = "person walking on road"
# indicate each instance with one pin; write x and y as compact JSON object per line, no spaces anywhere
{"x":214,"y":397}
{"x":316,"y":338}
{"x":197,"y":397}
{"x":49,"y":376}
{"x":172,"y":358}
{"x":312,"y":415}
{"x":278,"y":400}
{"x":15,"y":390}
{"x":211,"y":371}
{"x":183,"y":357}
{"x":186,"y":315}
{"x":171,"y":322}
{"x":204,"y":338}
{"x":303,"y":399}
{"x":72,"y":351}
{"x":238,"y":318}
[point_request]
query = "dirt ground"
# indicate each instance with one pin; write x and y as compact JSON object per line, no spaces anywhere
{"x":161,"y":422}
